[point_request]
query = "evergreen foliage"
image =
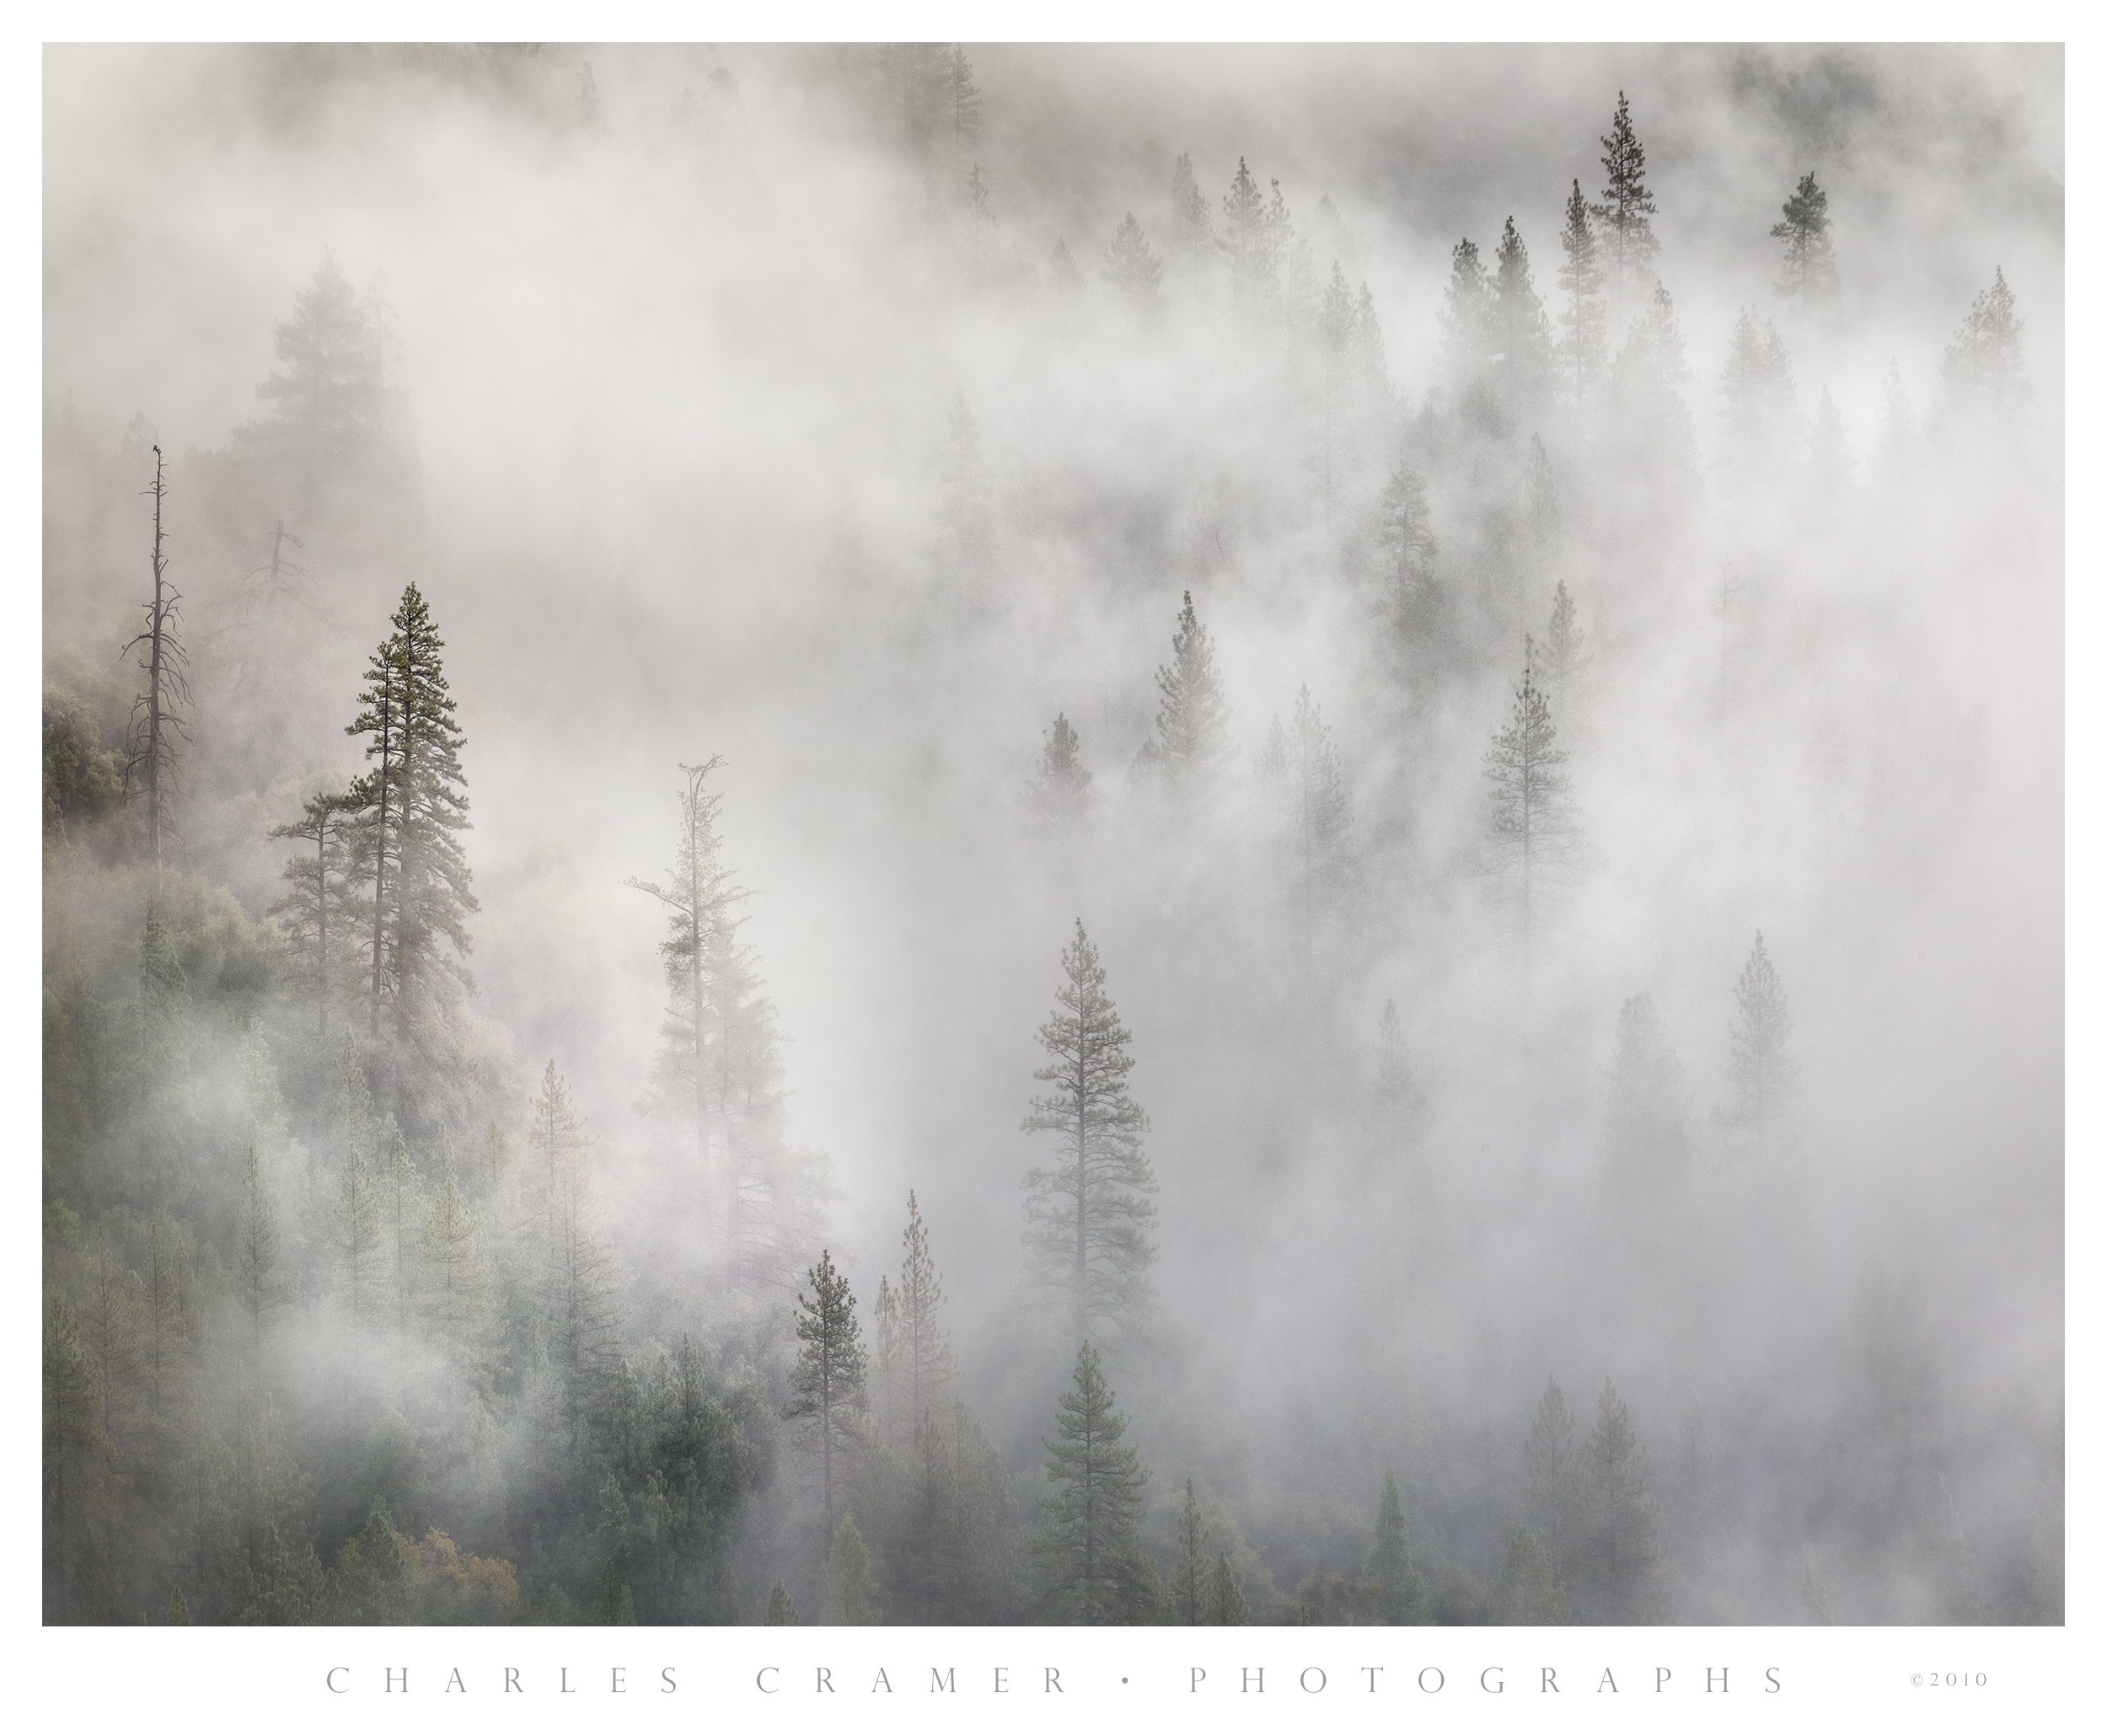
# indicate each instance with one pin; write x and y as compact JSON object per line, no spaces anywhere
{"x":1091,"y":1568}
{"x":1191,"y":748}
{"x":1533,"y":829}
{"x":1808,"y":272}
{"x":828,"y":1383}
{"x":1760,"y":1069}
{"x":1401,"y":1591}
{"x":1087,"y":1216}
{"x":1132,"y":268}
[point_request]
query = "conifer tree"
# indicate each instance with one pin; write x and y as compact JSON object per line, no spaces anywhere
{"x":1759,"y":1066}
{"x":1191,"y":748}
{"x":256,"y":1275}
{"x":455,"y":1281}
{"x":1580,"y":277}
{"x":1533,"y":831}
{"x":1190,"y":225}
{"x":1619,"y":1565}
{"x":318,"y":886}
{"x":1467,"y":317}
{"x":1192,"y":1558}
{"x":781,"y":1612}
{"x":1064,"y":276}
{"x":1648,"y":378}
{"x":1554,"y":1474}
{"x":157,"y":716}
{"x":697,"y":895}
{"x":1301,"y":766}
{"x":1256,"y":237}
{"x":1522,"y":335}
{"x":1089,"y":1543}
{"x":960,"y":110}
{"x":399,"y":1189}
{"x":1628,"y":207}
{"x":1405,"y":534}
{"x":1087,"y":1216}
{"x":851,"y":1598}
{"x":413,"y":806}
{"x":1401,"y":1593}
{"x":575,"y":1286}
{"x":1564,"y":643}
{"x":888,"y":1363}
{"x":1984,"y":372}
{"x":1527,"y":1595}
{"x":1808,"y":270}
{"x":358,"y":1213}
{"x":1132,"y":268}
{"x":926,"y":1352}
{"x":1339,"y":335}
{"x":828,"y":1384}
{"x":615,"y":1604}
{"x":1758,"y":405}
{"x":1227,"y":1606}
{"x":1649,"y":1145}
{"x":332,"y":421}
{"x":1060,"y":797}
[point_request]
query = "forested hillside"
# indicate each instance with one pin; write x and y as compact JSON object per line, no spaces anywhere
{"x":913,"y":835}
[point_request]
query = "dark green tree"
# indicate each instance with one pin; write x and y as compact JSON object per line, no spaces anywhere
{"x":1087,"y":1216}
{"x":1808,"y":270}
{"x":1527,"y":1595}
{"x":1089,"y":1545}
{"x":828,"y":1383}
{"x":1401,"y":1593}
{"x":1225,"y":1605}
{"x":851,"y":1599}
{"x":1192,"y":1559}
{"x":781,"y":1612}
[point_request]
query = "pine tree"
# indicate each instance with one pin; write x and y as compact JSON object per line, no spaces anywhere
{"x":1985,"y":369}
{"x":157,"y":716}
{"x":888,"y":1363}
{"x":1533,"y":830}
{"x":256,"y":1276}
{"x":1064,"y":276}
{"x":1647,"y":378}
{"x":1619,"y":1565}
{"x":318,"y":886}
{"x":1758,"y":405}
{"x":1227,"y":1606}
{"x":575,"y":1286}
{"x":1190,"y":226}
{"x":1627,"y":208}
{"x":698,"y":897}
{"x":1522,"y":335}
{"x":358,"y":1214}
{"x":1527,"y":1595}
{"x":1087,"y":1218}
{"x":959,"y":113}
{"x":1060,"y":797}
{"x":1564,"y":643}
{"x":1809,"y":271}
{"x":1467,"y":318}
{"x":412,"y":806}
{"x":1132,"y":268}
{"x":829,"y":1382}
{"x":1089,"y":1543}
{"x":1257,"y":238}
{"x":454,"y":1279}
{"x":1760,"y":1067}
{"x":399,"y":1192}
{"x":1581,"y":279}
{"x":1554,"y":1475}
{"x":1405,"y":534}
{"x":1401,"y":1593}
{"x":615,"y":1604}
{"x":1192,"y":1558}
{"x":1191,"y":748}
{"x":926,"y":1352}
{"x":1315,"y":813}
{"x":781,"y":1612}
{"x":851,"y":1598}
{"x":1649,"y":1147}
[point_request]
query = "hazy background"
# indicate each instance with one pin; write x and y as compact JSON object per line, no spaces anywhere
{"x":679,"y":382}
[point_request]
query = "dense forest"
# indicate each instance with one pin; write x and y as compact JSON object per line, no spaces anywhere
{"x":842,"y":841}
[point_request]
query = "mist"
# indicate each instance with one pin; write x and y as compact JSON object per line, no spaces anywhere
{"x":738,"y":403}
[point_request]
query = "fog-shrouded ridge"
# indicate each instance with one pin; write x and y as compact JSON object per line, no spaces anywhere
{"x":935,"y":834}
